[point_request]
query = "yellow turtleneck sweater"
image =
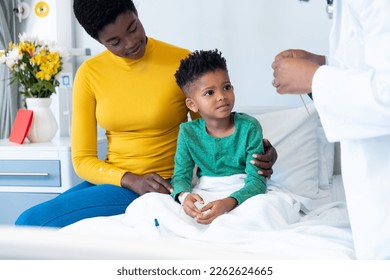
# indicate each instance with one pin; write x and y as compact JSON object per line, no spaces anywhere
{"x":139,"y":105}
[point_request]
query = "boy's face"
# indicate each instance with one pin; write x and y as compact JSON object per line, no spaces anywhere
{"x":211,"y":95}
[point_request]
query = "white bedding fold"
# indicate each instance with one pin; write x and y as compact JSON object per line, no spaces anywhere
{"x":264,"y":226}
{"x":271,"y":211}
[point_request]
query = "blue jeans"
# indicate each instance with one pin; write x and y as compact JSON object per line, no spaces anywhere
{"x":85,"y":200}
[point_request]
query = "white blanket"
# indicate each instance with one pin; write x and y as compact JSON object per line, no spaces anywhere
{"x":271,"y":211}
{"x":265,"y":226}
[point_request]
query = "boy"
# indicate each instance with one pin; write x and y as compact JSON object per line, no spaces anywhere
{"x":220,"y":144}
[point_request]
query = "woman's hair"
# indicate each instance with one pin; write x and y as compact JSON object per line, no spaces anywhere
{"x":198,"y":63}
{"x":93,"y":15}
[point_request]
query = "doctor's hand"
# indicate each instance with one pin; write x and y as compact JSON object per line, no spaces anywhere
{"x":145,"y":184}
{"x":301,"y":54}
{"x":267,"y":160}
{"x":214,"y":209}
{"x":293,"y":71}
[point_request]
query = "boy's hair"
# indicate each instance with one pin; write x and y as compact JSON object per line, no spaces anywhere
{"x":198,"y":63}
{"x":93,"y":15}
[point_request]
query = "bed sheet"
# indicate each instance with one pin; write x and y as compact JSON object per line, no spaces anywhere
{"x":323,"y":233}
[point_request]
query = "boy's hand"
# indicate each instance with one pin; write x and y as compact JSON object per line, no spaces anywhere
{"x":214,"y":209}
{"x":189,"y":204}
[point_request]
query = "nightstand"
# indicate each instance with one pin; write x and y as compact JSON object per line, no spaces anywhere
{"x":34,"y":172}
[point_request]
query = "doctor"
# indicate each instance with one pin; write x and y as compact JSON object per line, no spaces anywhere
{"x":351,"y":91}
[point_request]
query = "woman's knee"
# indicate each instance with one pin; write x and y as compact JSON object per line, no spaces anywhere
{"x":30,"y":217}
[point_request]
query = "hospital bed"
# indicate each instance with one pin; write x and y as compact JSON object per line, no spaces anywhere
{"x":307,"y":170}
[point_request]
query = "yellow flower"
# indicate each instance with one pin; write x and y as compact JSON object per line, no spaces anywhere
{"x":26,"y":47}
{"x":44,"y":75}
{"x":38,"y":59}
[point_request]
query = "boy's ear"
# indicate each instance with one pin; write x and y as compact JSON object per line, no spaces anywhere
{"x":191,"y":105}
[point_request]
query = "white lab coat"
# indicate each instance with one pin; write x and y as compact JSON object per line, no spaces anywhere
{"x":352,"y":96}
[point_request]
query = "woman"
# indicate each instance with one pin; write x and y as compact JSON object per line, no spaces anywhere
{"x":130,"y":91}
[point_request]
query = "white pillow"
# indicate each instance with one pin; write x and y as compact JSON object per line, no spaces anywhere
{"x":293,"y":133}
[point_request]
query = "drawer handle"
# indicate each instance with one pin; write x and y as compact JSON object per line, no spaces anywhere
{"x":45,"y":174}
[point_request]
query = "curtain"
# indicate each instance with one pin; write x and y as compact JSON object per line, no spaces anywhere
{"x":8,"y":96}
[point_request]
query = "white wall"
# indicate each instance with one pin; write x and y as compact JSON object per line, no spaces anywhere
{"x":248,"y":32}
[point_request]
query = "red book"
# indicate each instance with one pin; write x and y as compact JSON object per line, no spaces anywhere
{"x":21,"y":126}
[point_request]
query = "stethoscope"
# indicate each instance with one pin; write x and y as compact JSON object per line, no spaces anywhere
{"x":329,"y":8}
{"x":329,"y":11}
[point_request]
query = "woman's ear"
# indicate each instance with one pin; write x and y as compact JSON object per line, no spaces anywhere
{"x":191,"y":105}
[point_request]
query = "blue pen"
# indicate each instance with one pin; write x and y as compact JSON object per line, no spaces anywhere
{"x":157,"y":225}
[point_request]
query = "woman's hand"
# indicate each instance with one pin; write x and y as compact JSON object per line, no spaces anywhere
{"x":267,"y":160}
{"x":214,"y":209}
{"x":145,"y":184}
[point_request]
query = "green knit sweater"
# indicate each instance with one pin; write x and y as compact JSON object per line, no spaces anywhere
{"x":219,"y":156}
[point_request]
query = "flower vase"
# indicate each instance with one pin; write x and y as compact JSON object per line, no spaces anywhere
{"x":44,"y":125}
